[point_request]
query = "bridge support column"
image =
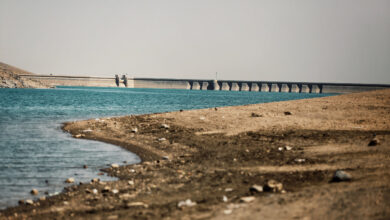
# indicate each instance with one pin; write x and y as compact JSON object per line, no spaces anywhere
{"x":285,"y":88}
{"x":195,"y":86}
{"x":235,"y":87}
{"x":265,"y":87}
{"x":216,"y":85}
{"x":315,"y":89}
{"x":305,"y":88}
{"x":225,"y":86}
{"x":188,"y":85}
{"x":274,"y":88}
{"x":254,"y":87}
{"x":244,"y":87}
{"x":205,"y":85}
{"x":295,"y":88}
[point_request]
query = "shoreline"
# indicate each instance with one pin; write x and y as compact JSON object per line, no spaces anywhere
{"x":208,"y":155}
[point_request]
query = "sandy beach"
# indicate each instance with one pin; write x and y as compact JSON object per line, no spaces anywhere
{"x":272,"y":161}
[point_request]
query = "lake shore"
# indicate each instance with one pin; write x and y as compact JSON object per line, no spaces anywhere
{"x":273,"y":160}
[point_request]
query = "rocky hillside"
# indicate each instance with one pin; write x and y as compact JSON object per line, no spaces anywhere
{"x":10,"y":78}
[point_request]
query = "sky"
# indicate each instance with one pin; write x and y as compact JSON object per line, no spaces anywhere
{"x":278,"y":40}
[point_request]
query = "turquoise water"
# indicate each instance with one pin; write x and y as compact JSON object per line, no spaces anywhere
{"x":34,"y":150}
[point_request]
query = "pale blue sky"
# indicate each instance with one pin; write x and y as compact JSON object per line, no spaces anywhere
{"x":289,"y":40}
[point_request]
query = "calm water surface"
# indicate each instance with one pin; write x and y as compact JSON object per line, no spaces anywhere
{"x":33,"y":148}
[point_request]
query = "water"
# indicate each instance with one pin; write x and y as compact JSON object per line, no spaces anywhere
{"x":34,"y":149}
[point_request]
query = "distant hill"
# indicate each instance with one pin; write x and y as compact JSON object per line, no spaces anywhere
{"x":10,"y":78}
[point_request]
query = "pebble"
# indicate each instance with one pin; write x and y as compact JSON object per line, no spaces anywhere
{"x":95,"y":191}
{"x":69,"y":180}
{"x":256,"y":189}
{"x":106,"y":189}
{"x":136,"y":204}
{"x":287,"y":113}
{"x":288,"y":148}
{"x":374,"y":142}
{"x":134,"y":130}
{"x":165,"y":157}
{"x":300,"y":160}
{"x":202,"y":118}
{"x":227,"y":211}
{"x":224,"y":199}
{"x":247,"y":199}
{"x":29,"y":202}
{"x":228,"y":189}
{"x":115,"y":191}
{"x":77,"y":136}
{"x":187,"y":203}
{"x":95,"y":180}
{"x":21,"y":202}
{"x":273,"y":186}
{"x":162,"y":139}
{"x":280,"y":148}
{"x":85,"y":166}
{"x":164,"y":126}
{"x":131,"y":182}
{"x":43,"y":198}
{"x":34,"y":192}
{"x":340,"y":176}
{"x":114,"y":165}
{"x":255,"y":115}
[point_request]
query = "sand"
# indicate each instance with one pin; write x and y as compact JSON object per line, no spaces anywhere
{"x":203,"y":164}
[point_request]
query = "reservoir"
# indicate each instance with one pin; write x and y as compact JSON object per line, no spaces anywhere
{"x":36,"y":153}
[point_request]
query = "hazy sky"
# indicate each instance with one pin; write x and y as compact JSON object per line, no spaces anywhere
{"x":290,"y":40}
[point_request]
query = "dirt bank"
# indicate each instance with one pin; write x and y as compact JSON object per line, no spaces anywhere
{"x":214,"y":163}
{"x":10,"y":78}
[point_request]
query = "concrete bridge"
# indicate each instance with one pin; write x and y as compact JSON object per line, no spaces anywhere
{"x":204,"y":84}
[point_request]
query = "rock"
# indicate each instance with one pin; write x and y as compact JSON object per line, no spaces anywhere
{"x":287,"y":113}
{"x":95,"y":180}
{"x":374,"y":142}
{"x":29,"y":202}
{"x":112,"y":217}
{"x":43,"y":198}
{"x":280,"y":148}
{"x":187,"y":203}
{"x":21,"y":202}
{"x":69,"y":180}
{"x":77,"y":136}
{"x":216,"y":109}
{"x":126,"y":196}
{"x":300,"y":160}
{"x":134,"y":130}
{"x":202,"y":118}
{"x":164,"y":126}
{"x":247,"y":199}
{"x":114,"y":165}
{"x":228,"y":189}
{"x":288,"y":148}
{"x":136,"y":204}
{"x":273,"y":186}
{"x":131,"y":182}
{"x":87,"y":130}
{"x":165,"y":157}
{"x":162,"y":139}
{"x":255,"y":115}
{"x":34,"y":192}
{"x":115,"y":191}
{"x":106,"y":189}
{"x":224,"y":199}
{"x":256,"y":189}
{"x":340,"y":176}
{"x":85,"y":166}
{"x":181,"y":110}
{"x":227,"y":211}
{"x":95,"y":191}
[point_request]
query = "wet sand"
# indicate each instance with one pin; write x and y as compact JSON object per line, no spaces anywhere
{"x":217,"y":164}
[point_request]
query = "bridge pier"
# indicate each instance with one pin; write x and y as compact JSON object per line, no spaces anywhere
{"x":225,"y":86}
{"x":244,"y":87}
{"x":205,"y":85}
{"x":285,"y":88}
{"x":305,"y":88}
{"x":315,"y":89}
{"x":254,"y":87}
{"x":235,"y":87}
{"x":216,"y":85}
{"x":295,"y":88}
{"x":274,"y":88}
{"x":195,"y":85}
{"x":265,"y":87}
